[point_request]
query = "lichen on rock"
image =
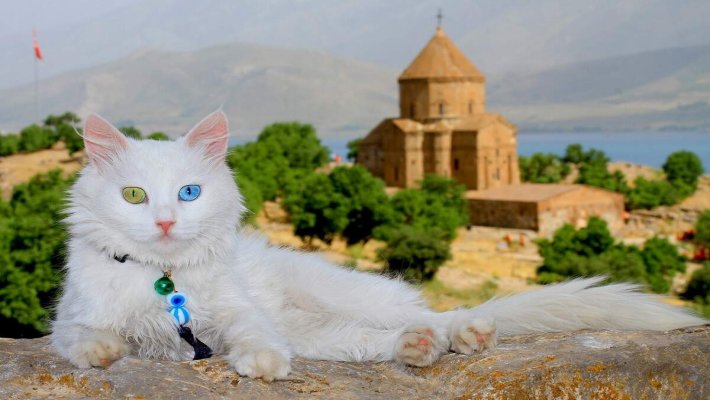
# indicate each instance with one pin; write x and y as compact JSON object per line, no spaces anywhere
{"x":578,"y":365}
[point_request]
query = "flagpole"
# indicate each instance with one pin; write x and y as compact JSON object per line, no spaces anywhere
{"x":36,"y":91}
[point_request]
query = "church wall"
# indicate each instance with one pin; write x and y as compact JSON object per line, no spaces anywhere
{"x":395,"y":166}
{"x":497,"y":157}
{"x":421,"y":99}
{"x":414,"y":158}
{"x":463,"y":158}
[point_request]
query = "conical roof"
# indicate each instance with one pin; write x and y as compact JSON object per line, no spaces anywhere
{"x":440,"y":58}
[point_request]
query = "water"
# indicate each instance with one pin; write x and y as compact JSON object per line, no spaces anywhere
{"x":648,"y":148}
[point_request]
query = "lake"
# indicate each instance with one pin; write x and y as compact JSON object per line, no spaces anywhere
{"x":649,"y":148}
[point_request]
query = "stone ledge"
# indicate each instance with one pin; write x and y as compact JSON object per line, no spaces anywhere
{"x":579,"y":365}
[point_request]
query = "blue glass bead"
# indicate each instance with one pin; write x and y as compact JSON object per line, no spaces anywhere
{"x":176,"y":299}
{"x":181,"y":315}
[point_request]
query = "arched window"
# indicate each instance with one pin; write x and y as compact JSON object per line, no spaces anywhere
{"x":442,"y":109}
{"x":456,"y":164}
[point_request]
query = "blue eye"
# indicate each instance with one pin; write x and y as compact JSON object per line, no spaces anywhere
{"x":189,"y":192}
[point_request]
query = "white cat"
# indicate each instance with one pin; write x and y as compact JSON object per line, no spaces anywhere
{"x":142,"y":208}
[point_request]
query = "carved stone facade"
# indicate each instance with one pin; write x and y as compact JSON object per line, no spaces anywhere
{"x":443,"y":127}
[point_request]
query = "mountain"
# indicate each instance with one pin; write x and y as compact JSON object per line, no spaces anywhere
{"x":661,"y":89}
{"x":171,"y":91}
{"x":501,"y":37}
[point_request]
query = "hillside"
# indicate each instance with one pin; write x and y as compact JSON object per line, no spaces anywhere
{"x":255,"y":86}
{"x":666,"y":89}
{"x":662,"y":89}
{"x":501,"y":37}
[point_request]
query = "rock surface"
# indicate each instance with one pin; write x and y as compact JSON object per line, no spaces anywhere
{"x":579,"y":365}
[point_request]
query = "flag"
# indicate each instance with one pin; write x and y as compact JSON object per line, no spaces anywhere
{"x":35,"y":44}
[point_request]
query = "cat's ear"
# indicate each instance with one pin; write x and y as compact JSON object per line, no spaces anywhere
{"x":210,"y":136}
{"x":102,"y":141}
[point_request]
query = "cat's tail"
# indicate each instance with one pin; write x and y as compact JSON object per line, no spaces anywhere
{"x":584,"y":304}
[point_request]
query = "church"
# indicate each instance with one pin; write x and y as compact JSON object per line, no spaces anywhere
{"x":443,"y":127}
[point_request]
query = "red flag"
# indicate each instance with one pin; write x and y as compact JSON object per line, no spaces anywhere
{"x":35,"y":44}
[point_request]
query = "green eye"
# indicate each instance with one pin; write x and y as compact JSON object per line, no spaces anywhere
{"x":134,"y":195}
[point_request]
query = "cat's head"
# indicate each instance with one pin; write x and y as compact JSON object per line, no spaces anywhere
{"x":171,"y":203}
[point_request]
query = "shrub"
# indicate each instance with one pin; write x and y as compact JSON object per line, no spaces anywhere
{"x":651,"y":194}
{"x":698,"y":289}
{"x":9,"y":144}
{"x":31,"y":253}
{"x":683,"y":168}
{"x":34,"y":137}
{"x":252,"y":198}
{"x":414,"y":254}
{"x":591,"y":251}
{"x":131,"y":132}
{"x":158,"y":136}
{"x":543,"y":168}
{"x":702,"y":229}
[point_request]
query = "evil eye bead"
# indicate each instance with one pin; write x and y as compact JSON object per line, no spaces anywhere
{"x":176,"y":299}
{"x":189,"y":192}
{"x":181,"y":315}
{"x":133,"y":195}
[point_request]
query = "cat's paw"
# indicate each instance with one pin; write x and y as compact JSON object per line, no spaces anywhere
{"x":474,"y":335}
{"x":265,"y":364}
{"x":419,"y":346}
{"x":100,"y":352}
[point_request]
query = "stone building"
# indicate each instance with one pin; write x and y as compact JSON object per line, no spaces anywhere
{"x":443,"y":127}
{"x":544,"y":207}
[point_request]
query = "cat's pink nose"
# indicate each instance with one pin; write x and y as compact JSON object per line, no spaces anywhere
{"x":165,"y":226}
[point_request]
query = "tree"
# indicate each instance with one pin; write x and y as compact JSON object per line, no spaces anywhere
{"x":591,"y":251}
{"x":574,"y":154}
{"x":662,"y":261}
{"x":281,"y":154}
{"x":34,"y":137}
{"x":702,"y":229}
{"x":158,"y":136}
{"x":597,"y":174}
{"x":414,"y":254}
{"x":68,"y":118}
{"x":683,"y":168}
{"x":698,"y":289}
{"x":543,"y":168}
{"x":650,"y":194}
{"x":437,"y":207}
{"x":367,"y":203}
{"x":252,"y":198}
{"x":71,"y":138}
{"x":131,"y":132}
{"x":9,"y":144}
{"x":353,"y":147}
{"x":31,"y":253}
{"x":356,"y":202}
{"x":316,"y":209}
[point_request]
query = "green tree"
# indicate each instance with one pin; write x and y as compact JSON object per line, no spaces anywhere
{"x":683,"y":168}
{"x":702,"y":229}
{"x":437,"y":206}
{"x":414,"y":254}
{"x":574,"y":154}
{"x":543,"y":168}
{"x":252,"y":198}
{"x":9,"y":144}
{"x":648,"y":194}
{"x":353,"y":147}
{"x":591,"y":251}
{"x":367,"y":204}
{"x":282,"y":153}
{"x":317,"y":210}
{"x":698,"y":289}
{"x":597,"y":174}
{"x":68,"y":118}
{"x":662,"y":261}
{"x":35,"y":137}
{"x":131,"y":132}
{"x":71,"y":138}
{"x":31,"y":253}
{"x":158,"y":136}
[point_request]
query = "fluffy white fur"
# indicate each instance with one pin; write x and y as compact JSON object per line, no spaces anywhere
{"x":259,"y":305}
